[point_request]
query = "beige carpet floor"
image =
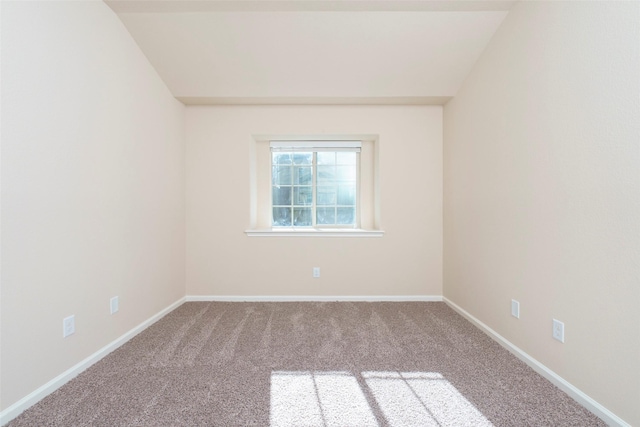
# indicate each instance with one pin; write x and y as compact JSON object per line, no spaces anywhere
{"x":309,"y":364}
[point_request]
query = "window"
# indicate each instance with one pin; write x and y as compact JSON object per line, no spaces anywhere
{"x":320,"y":190}
{"x":315,"y":183}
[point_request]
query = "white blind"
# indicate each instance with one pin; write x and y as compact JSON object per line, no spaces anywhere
{"x":354,"y":146}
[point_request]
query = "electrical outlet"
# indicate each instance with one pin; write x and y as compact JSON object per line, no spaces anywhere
{"x":515,"y":309}
{"x":114,"y":305}
{"x":558,"y":330}
{"x":68,"y":326}
{"x":316,"y":272}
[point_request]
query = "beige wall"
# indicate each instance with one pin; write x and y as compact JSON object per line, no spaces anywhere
{"x":222,"y":260}
{"x":92,"y":188}
{"x":542,"y":192}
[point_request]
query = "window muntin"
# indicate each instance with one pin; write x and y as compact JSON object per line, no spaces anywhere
{"x":314,"y":186}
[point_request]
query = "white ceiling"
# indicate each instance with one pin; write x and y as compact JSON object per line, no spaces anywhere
{"x":312,"y":52}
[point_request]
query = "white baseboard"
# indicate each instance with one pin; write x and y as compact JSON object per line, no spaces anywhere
{"x":603,"y":413}
{"x":32,"y":398}
{"x":307,"y":298}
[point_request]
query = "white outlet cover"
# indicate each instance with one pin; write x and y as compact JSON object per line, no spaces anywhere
{"x":515,"y":309}
{"x":68,"y":326}
{"x":558,"y":330}
{"x":114,"y":305}
{"x":316,"y":271}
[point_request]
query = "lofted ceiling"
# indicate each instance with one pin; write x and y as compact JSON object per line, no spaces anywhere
{"x":312,"y":52}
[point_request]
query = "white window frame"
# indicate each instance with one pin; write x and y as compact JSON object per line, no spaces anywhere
{"x":260,"y":191}
{"x":315,"y":147}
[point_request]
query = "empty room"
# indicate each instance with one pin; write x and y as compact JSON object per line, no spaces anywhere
{"x":319,"y":213}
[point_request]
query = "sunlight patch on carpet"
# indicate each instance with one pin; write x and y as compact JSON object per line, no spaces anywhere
{"x":422,"y":399}
{"x":318,"y":399}
{"x":323,"y":399}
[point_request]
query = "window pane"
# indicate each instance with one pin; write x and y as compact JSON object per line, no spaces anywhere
{"x":282,"y":158}
{"x":326,"y":158}
{"x":321,"y":183}
{"x":346,"y":158}
{"x":282,"y":217}
{"x":303,"y":175}
{"x":302,"y":158}
{"x":302,"y":216}
{"x":346,"y":173}
{"x":326,"y":195}
{"x":281,"y":196}
{"x":325,"y":216}
{"x":302,"y":196}
{"x":347,"y":195}
{"x":281,"y":175}
{"x":326,"y":173}
{"x":346,"y":216}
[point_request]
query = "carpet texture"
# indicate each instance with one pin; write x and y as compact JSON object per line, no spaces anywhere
{"x":309,"y":364}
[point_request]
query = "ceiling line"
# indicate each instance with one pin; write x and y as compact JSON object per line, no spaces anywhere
{"x":403,"y":100}
{"x":185,"y":6}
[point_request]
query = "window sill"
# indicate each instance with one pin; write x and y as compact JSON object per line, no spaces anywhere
{"x":313,"y":232}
